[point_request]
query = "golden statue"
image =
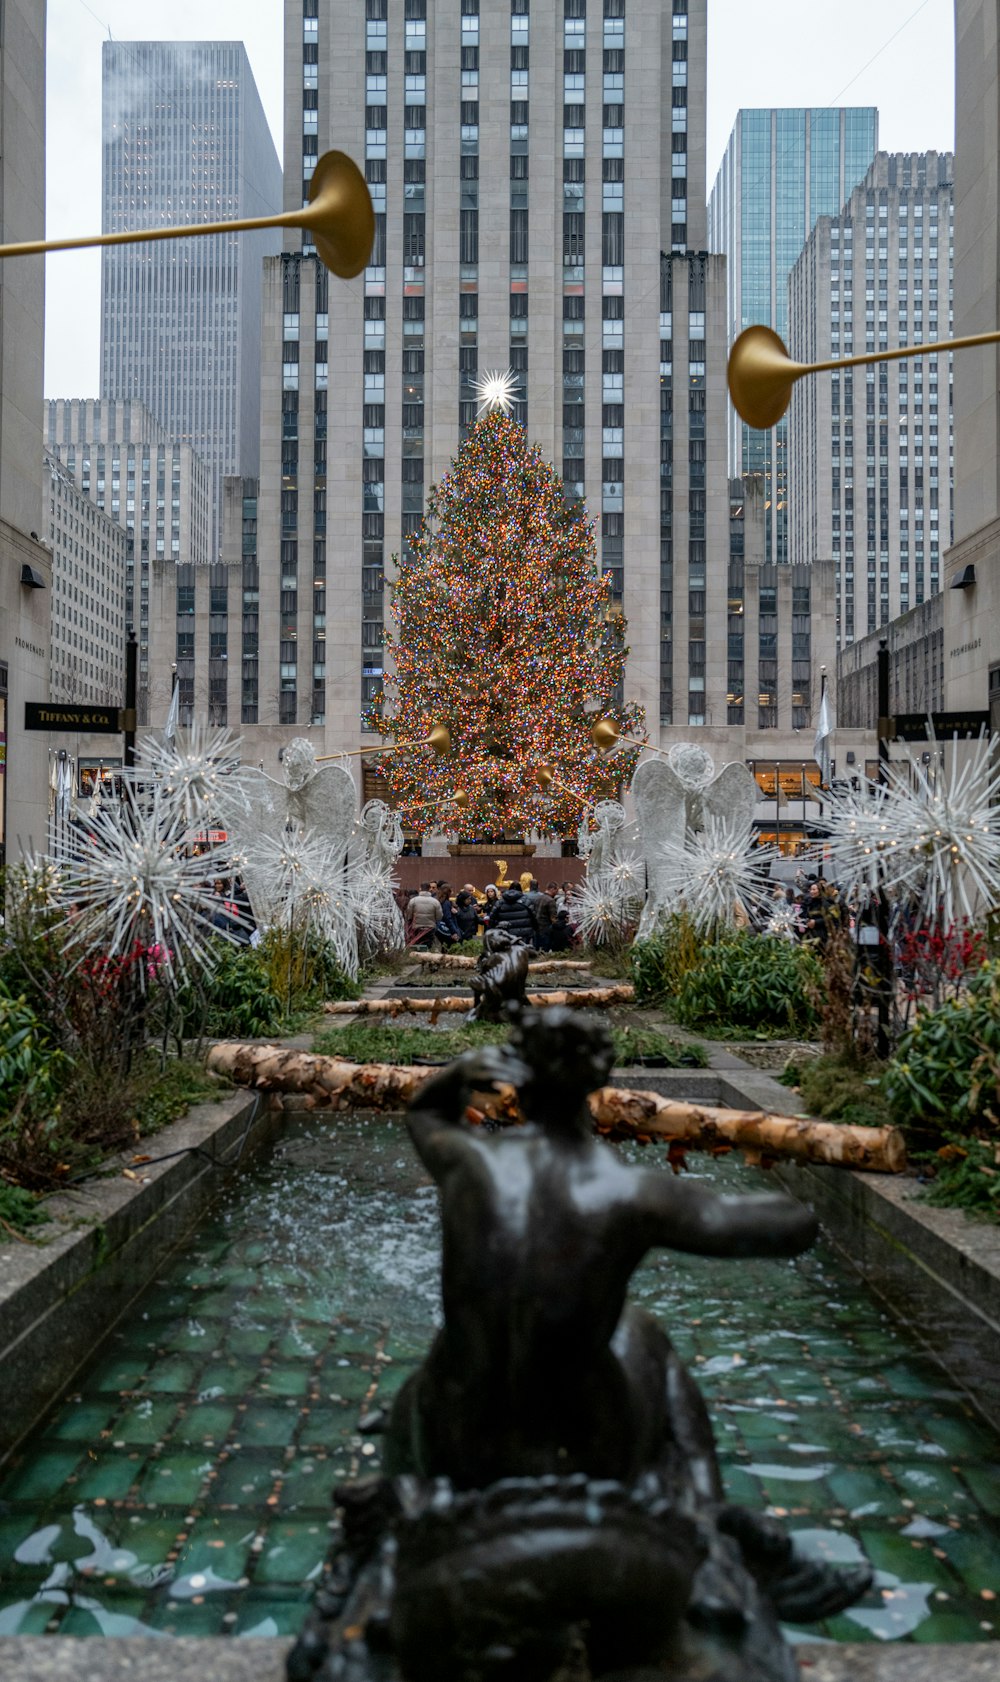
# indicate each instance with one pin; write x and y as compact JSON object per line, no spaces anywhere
{"x":501,"y":881}
{"x":526,"y":880}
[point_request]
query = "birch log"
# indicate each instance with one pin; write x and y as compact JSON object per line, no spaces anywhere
{"x":335,"y":1083}
{"x":461,"y":960}
{"x":579,"y":998}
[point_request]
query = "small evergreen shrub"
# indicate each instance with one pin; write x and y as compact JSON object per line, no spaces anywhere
{"x":660,"y":963}
{"x":944,"y":1079}
{"x":749,"y":983}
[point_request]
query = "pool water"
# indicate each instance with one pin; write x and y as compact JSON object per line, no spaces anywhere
{"x":184,"y":1488}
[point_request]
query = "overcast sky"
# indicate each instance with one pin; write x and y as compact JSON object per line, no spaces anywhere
{"x":895,"y":54}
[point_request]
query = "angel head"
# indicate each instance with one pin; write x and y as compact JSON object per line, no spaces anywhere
{"x":692,"y":764}
{"x":298,"y":761}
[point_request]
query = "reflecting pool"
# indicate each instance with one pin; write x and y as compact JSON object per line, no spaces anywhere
{"x":184,"y":1488}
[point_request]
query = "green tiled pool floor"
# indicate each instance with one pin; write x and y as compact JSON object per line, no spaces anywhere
{"x":185,"y":1488}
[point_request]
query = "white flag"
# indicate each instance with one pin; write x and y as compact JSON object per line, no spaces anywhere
{"x":170,"y":728}
{"x":824,"y":733}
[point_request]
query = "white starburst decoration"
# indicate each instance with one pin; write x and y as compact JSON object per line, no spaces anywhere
{"x":930,"y":832}
{"x":307,"y":889}
{"x":719,"y":876}
{"x":134,"y":881}
{"x":784,"y":921}
{"x":496,"y":389}
{"x":197,"y":769}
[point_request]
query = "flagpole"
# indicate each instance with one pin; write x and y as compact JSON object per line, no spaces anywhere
{"x":822,"y":715}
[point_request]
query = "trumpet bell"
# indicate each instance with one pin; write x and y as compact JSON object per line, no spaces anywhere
{"x":761,"y":377}
{"x":440,"y":739}
{"x":460,"y":799}
{"x":544,"y":778}
{"x":340,"y":217}
{"x":604,"y":734}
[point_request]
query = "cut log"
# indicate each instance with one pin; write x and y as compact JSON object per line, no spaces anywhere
{"x":578,"y":998}
{"x":461,"y":960}
{"x":336,"y":1083}
{"x":837,"y":1144}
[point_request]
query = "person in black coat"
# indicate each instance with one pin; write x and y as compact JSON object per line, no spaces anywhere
{"x":467,"y":916}
{"x":515,"y":915}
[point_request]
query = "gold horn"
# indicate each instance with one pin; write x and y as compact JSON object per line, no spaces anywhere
{"x":459,"y":799}
{"x":339,"y":216}
{"x":762,"y":374}
{"x":606,"y":734}
{"x":546,"y":779}
{"x":438,"y":738}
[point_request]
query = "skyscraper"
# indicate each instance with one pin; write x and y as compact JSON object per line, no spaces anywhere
{"x":782,"y":170}
{"x":185,"y":141}
{"x":870,"y":448}
{"x":25,"y":576}
{"x":499,"y":243}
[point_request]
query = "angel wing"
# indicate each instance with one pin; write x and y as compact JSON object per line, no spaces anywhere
{"x":660,"y":800}
{"x":261,"y":812}
{"x":731,"y":797}
{"x":326,"y":803}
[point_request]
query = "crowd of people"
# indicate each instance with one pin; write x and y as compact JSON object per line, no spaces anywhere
{"x":812,"y":910}
{"x":541,"y":917}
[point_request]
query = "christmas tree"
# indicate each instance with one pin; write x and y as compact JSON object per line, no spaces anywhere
{"x":506,"y":633}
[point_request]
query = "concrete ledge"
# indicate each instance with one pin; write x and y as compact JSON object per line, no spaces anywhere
{"x":61,"y":1658}
{"x":938,"y":1271}
{"x":108,"y":1237}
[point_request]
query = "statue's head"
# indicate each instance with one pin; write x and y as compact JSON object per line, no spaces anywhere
{"x":569,"y":1054}
{"x":298,"y":762}
{"x":692,"y":763}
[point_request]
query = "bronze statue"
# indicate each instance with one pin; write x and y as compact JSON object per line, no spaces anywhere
{"x":500,"y":976}
{"x":552,"y":1507}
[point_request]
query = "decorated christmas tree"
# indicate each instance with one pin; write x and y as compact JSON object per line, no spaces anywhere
{"x":505,"y":632}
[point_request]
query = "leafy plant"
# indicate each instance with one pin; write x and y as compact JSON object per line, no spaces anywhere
{"x":967,"y":1177}
{"x":839,"y":1088}
{"x":744,"y":981}
{"x":660,"y":964}
{"x":944,"y":1081}
{"x":236,"y":1001}
{"x":20,"y":1210}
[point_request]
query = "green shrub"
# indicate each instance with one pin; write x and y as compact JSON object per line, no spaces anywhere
{"x":747,"y":982}
{"x":254,"y":992}
{"x":944,"y":1080}
{"x":967,"y":1177}
{"x":660,"y":963}
{"x":19,"y":1211}
{"x":236,"y":1001}
{"x":33,"y":1073}
{"x":839,"y":1088}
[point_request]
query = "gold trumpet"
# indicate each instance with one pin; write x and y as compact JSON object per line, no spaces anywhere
{"x":339,"y":216}
{"x":606,"y":734}
{"x":762,"y":374}
{"x":439,"y":739}
{"x":459,"y":799}
{"x":546,"y":778}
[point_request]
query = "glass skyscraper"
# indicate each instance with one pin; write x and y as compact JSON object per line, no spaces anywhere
{"x":782,"y":170}
{"x":185,"y":141}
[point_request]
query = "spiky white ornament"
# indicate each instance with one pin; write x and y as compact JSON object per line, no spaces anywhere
{"x":933,"y":833}
{"x":719,"y":876}
{"x":134,"y":881}
{"x":196,"y":769}
{"x":496,"y":389}
{"x":607,"y":904}
{"x":784,"y":921}
{"x":308,"y":890}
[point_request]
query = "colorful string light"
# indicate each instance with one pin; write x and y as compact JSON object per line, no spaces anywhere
{"x":506,"y":631}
